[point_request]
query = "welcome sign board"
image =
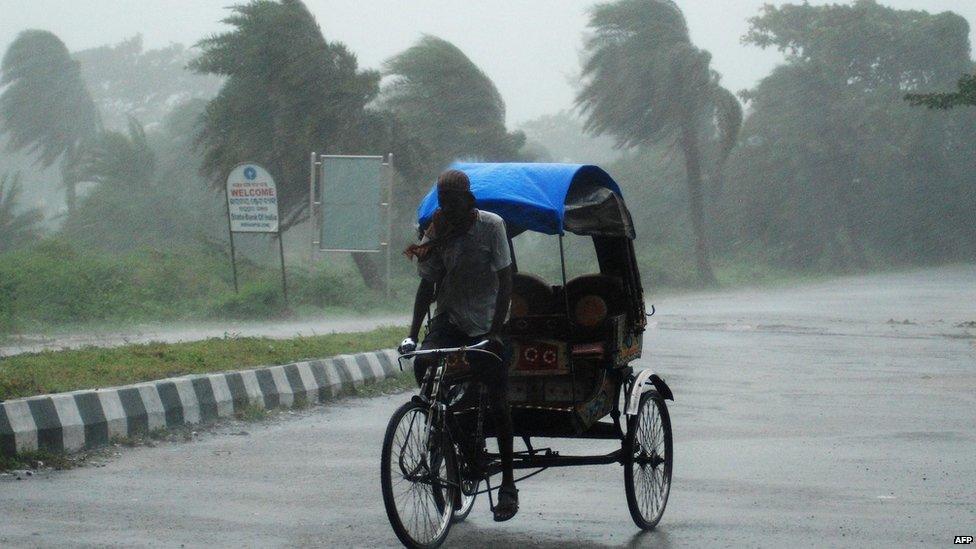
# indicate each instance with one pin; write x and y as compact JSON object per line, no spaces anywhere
{"x":252,"y":200}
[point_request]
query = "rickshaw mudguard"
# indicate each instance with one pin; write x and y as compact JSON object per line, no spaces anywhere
{"x":645,"y":381}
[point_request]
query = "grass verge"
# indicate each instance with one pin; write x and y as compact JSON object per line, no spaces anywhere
{"x":36,"y":459}
{"x":58,"y":371}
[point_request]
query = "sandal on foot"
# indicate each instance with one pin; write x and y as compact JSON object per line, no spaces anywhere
{"x":507,"y":503}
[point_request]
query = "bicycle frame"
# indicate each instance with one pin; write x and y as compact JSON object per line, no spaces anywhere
{"x":488,"y":464}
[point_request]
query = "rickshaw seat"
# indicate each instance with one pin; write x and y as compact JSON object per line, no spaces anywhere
{"x":531,"y":296}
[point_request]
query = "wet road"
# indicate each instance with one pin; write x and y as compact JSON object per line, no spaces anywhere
{"x":192,"y":331}
{"x":833,"y":414}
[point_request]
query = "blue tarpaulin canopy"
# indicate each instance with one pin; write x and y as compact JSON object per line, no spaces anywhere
{"x":546,"y":198}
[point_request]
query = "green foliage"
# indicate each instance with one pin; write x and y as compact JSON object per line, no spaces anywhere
{"x":17,"y":225}
{"x":642,"y":75}
{"x":257,"y":300}
{"x":54,"y":283}
{"x":120,"y":160}
{"x":966,"y":95}
{"x":288,"y":91}
{"x":448,"y":104}
{"x":46,"y":107}
{"x":872,"y":45}
{"x":147,"y":193}
{"x":35,"y":459}
{"x":837,"y":172}
{"x":646,"y":84}
{"x":57,"y":371}
{"x":327,"y":288}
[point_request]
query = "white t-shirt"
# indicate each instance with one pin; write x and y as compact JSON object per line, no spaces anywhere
{"x":464,"y":269}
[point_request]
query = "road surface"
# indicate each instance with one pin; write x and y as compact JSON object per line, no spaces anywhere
{"x":833,"y":414}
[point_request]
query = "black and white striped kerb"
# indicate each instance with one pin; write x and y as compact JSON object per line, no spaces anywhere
{"x":90,"y":418}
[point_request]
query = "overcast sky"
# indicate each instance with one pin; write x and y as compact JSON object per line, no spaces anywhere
{"x":530,"y":48}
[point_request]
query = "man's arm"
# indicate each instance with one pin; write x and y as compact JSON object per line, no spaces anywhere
{"x":503,"y":301}
{"x":421,"y":304}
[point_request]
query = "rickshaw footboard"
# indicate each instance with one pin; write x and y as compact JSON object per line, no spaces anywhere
{"x":553,"y":459}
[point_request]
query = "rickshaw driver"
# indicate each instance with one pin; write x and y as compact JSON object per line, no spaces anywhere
{"x":464,"y":256}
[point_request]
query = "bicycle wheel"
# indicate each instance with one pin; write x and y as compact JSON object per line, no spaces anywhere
{"x":419,"y":479}
{"x":462,"y":508}
{"x":648,"y":461}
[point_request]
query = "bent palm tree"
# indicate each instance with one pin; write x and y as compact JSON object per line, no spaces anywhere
{"x":120,"y":160}
{"x":45,"y":107}
{"x":448,"y":104}
{"x":646,"y":83}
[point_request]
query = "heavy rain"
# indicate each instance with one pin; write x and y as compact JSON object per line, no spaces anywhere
{"x":769,"y":204}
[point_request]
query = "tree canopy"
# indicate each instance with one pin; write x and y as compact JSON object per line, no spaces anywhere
{"x":45,"y":107}
{"x":122,"y":160}
{"x":873,"y":46}
{"x":837,"y":170}
{"x":448,"y":105}
{"x":966,"y":95}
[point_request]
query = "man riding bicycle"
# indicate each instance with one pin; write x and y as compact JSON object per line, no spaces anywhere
{"x":464,"y":263}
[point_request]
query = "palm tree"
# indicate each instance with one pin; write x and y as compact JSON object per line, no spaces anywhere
{"x":645,"y":83}
{"x":45,"y":107}
{"x":120,"y":160}
{"x":448,"y":104}
{"x":15,"y":227}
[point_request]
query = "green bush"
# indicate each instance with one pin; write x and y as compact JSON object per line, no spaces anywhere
{"x":7,"y":323}
{"x":54,"y":283}
{"x":325,"y":288}
{"x":255,"y":300}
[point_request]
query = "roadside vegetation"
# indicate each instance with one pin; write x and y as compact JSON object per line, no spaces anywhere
{"x":59,"y":371}
{"x":52,"y":284}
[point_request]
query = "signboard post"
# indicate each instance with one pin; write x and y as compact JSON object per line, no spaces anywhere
{"x":252,"y":207}
{"x":350,"y":198}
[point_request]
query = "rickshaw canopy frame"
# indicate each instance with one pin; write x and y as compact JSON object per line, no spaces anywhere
{"x":548,"y":198}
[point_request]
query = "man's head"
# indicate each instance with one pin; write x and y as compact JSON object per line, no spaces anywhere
{"x":454,"y":193}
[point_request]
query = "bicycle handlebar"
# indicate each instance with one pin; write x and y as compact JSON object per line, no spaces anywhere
{"x":477,"y":348}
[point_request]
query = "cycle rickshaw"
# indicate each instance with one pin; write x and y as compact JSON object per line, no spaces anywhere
{"x":570,"y":373}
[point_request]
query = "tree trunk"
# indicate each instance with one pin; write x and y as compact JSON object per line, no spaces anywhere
{"x":69,"y":177}
{"x":70,"y":196}
{"x":368,"y":270}
{"x":696,"y":202}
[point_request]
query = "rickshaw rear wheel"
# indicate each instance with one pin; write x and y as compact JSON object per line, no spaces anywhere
{"x":419,"y":479}
{"x":648,"y":461}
